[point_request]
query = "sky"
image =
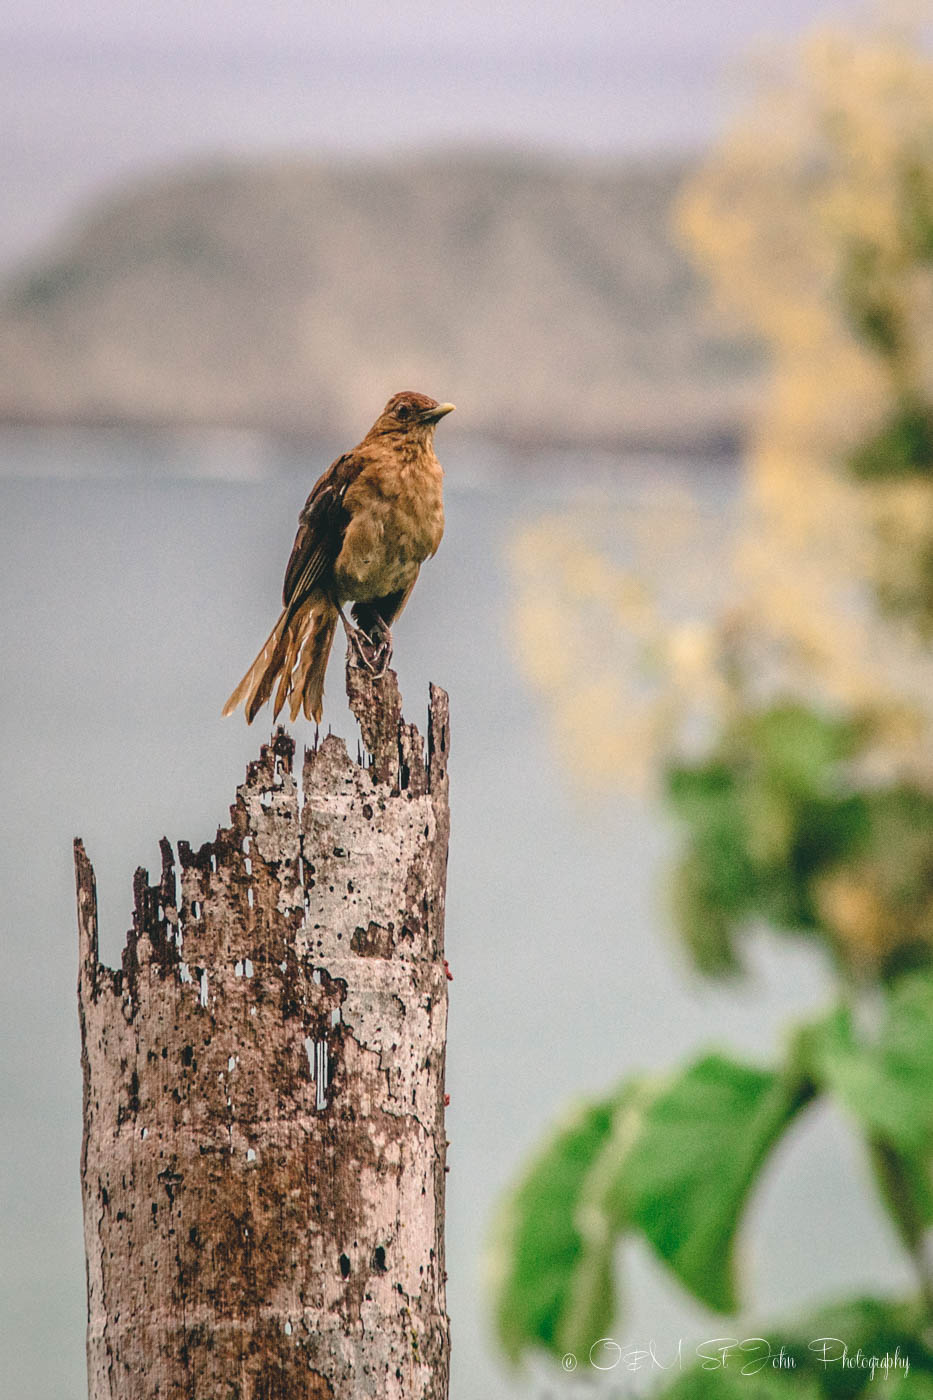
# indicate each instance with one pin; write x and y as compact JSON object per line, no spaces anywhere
{"x":95,"y":93}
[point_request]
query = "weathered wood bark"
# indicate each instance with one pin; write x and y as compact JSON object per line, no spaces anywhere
{"x":263,"y":1157}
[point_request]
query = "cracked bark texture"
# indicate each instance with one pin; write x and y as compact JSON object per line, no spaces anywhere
{"x":264,"y":1152}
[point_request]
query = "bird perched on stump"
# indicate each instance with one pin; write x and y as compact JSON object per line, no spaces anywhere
{"x":367,"y":527}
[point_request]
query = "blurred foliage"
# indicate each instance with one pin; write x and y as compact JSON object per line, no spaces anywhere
{"x":815,"y":221}
{"x":685,"y":1174}
{"x":885,"y":1081}
{"x":780,"y":679}
{"x":671,"y":1160}
{"x":675,"y":1162}
{"x":594,"y":636}
{"x":904,"y":445}
{"x":871,"y":1327}
{"x":778,"y":832}
{"x":556,"y":1278}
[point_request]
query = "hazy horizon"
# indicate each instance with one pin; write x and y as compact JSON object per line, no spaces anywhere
{"x":93,"y":96}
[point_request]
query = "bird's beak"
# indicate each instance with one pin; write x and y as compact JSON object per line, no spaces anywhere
{"x":439,"y":412}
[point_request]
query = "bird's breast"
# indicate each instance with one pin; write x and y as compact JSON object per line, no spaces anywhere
{"x":396,"y":522}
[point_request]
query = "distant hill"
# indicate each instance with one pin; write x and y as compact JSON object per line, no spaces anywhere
{"x":548,"y":301}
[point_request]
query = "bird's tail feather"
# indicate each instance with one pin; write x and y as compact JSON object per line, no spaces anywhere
{"x":292,"y":648}
{"x":308,"y":681}
{"x":261,"y":673}
{"x":301,"y":638}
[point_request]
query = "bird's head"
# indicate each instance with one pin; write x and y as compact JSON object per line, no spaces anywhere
{"x":415,"y":415}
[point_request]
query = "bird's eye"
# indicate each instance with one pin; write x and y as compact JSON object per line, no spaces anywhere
{"x":402,"y":411}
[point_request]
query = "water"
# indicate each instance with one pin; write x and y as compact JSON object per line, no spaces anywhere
{"x":140,"y":573}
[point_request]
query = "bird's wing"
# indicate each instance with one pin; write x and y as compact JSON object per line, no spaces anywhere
{"x":321,"y":526}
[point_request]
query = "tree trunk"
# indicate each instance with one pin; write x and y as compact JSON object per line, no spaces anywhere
{"x":263,"y":1157}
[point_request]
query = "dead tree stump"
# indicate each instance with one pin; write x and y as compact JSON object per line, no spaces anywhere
{"x":263,"y":1156}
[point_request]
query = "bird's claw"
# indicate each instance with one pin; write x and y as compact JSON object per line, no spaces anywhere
{"x":374,"y":654}
{"x":356,"y":638}
{"x":382,"y":651}
{"x":378,"y":662}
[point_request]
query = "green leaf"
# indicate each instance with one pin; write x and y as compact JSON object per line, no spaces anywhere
{"x":767,"y":816}
{"x":675,"y":1161}
{"x":704,"y":925}
{"x":551,"y":1253}
{"x":797,"y":747}
{"x":906,"y":1188}
{"x":887,"y":1082}
{"x":706,"y":797}
{"x":811,"y":1355}
{"x":903,"y":447}
{"x":714,"y":885}
{"x":688,"y":1172}
{"x":873,"y":1326}
{"x":768,"y":1384}
{"x":914,"y":1386}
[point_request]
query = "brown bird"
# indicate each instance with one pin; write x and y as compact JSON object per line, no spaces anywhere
{"x":367,"y":527}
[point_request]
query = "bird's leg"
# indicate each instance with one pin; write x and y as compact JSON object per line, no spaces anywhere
{"x":358,"y":640}
{"x":374,"y":648}
{"x":381,"y":636}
